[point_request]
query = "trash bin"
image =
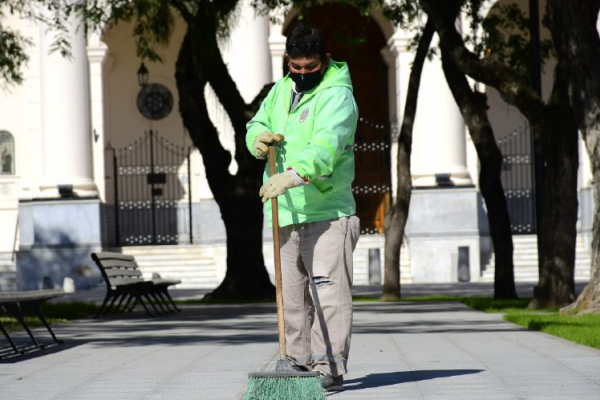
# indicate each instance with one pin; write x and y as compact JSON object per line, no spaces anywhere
{"x":464,"y":271}
{"x":374,"y":267}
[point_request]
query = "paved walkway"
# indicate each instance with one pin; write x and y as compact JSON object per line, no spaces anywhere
{"x":399,"y":351}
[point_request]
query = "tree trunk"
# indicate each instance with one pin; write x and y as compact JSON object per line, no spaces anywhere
{"x":574,"y":31}
{"x":554,"y":122}
{"x":200,"y":62}
{"x":473,"y":106}
{"x":398,"y":213}
{"x":557,"y":233}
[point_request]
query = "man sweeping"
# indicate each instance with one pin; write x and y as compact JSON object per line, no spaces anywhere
{"x":310,"y":115}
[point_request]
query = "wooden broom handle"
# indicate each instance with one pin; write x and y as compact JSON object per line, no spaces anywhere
{"x":278,"y":280}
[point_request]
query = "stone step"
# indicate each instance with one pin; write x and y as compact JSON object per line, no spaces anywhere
{"x":175,"y":263}
{"x":166,"y":258}
{"x":526,"y":260}
{"x":176,"y":273}
{"x":192,"y":284}
{"x":195,"y":265}
{"x":201,"y":266}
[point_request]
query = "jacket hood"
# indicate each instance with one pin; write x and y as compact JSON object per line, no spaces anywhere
{"x":336,"y":75}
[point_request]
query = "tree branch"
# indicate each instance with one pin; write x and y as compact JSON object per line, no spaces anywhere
{"x":191,"y":81}
{"x":443,"y":14}
{"x":183,"y":10}
{"x":253,"y":107}
{"x":222,"y":83}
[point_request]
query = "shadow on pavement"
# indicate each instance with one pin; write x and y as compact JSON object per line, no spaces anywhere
{"x":28,"y":351}
{"x":242,"y":324}
{"x":393,"y":378}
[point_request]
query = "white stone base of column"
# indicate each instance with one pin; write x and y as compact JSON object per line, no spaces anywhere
{"x":56,"y":239}
{"x":440,"y":223}
{"x":459,"y":178}
{"x":84,"y":188}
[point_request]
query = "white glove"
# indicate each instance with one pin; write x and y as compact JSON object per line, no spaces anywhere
{"x":279,"y":183}
{"x":262,"y":142}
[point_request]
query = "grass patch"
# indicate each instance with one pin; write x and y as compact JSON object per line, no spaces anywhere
{"x":490,"y":305}
{"x":54,"y":312}
{"x":486,"y":304}
{"x":366,"y":299}
{"x":223,"y":301}
{"x":582,"y":329}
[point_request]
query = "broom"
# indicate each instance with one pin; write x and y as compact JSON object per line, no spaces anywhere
{"x":284,"y":383}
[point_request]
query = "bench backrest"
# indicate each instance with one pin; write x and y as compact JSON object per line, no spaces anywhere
{"x":117,"y":269}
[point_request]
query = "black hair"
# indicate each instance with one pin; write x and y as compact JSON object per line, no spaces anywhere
{"x":304,"y":41}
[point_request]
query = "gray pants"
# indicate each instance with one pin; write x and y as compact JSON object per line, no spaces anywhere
{"x":316,"y":264}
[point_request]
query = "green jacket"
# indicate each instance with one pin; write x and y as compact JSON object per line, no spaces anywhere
{"x":319,"y":145}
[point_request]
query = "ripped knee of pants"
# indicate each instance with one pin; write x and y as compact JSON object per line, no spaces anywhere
{"x":321,"y":281}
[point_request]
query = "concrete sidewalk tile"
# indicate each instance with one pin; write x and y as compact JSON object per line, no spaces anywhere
{"x":400,"y":351}
{"x":562,"y":397}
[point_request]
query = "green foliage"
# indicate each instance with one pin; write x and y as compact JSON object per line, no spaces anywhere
{"x":404,"y":14}
{"x":12,"y":44}
{"x":153,"y":24}
{"x":506,"y":36}
{"x":503,"y":33}
{"x":12,"y":55}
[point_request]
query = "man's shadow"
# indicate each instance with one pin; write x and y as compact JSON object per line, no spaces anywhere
{"x":394,"y":378}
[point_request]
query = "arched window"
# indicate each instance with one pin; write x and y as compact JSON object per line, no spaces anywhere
{"x":7,"y":153}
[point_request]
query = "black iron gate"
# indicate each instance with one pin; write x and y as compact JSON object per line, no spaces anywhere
{"x":372,"y":183}
{"x":151,"y":193}
{"x":518,"y":179}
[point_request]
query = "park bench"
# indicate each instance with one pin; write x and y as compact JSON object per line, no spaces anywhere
{"x":12,"y":303}
{"x":126,"y":287}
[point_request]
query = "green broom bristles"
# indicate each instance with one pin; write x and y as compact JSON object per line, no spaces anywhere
{"x":284,"y":388}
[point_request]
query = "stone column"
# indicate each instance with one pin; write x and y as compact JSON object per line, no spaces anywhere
{"x":98,"y":57}
{"x":400,"y":72}
{"x":57,"y":235}
{"x":248,"y":52}
{"x":66,"y":129}
{"x":439,"y":134}
{"x":277,"y":49}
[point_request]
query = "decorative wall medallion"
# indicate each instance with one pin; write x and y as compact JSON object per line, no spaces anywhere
{"x":155,"y":101}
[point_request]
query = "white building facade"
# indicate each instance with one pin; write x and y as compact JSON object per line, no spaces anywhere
{"x":91,"y":160}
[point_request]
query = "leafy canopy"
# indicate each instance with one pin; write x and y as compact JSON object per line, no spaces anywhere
{"x":503,"y":32}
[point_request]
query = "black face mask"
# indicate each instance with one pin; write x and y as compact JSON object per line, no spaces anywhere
{"x":306,"y":81}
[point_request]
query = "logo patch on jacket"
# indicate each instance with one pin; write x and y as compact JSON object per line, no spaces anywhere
{"x":304,"y":115}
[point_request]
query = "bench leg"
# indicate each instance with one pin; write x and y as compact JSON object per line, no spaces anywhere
{"x":165,"y":291}
{"x":158,"y":300}
{"x":147,"y":295}
{"x":112,"y":308}
{"x":163,"y":300}
{"x":138,"y":299}
{"x":7,"y":336}
{"x":121,"y":300}
{"x":37,"y":310}
{"x":15,"y":311}
{"x":106,"y":299}
{"x":132,"y":296}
